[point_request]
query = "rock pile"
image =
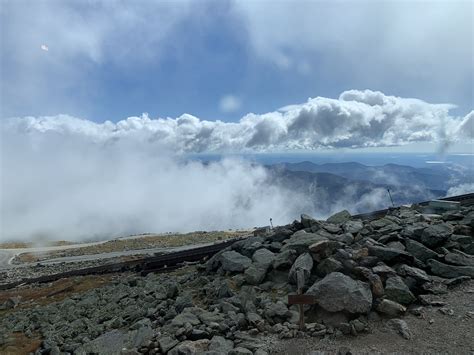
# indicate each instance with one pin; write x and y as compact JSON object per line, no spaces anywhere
{"x":237,"y":301}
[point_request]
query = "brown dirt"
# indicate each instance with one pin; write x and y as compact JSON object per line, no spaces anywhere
{"x":42,"y":294}
{"x":19,"y":343}
{"x":23,"y":245}
{"x":432,"y":333}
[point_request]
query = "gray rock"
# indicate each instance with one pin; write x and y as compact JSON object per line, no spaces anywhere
{"x":381,"y":223}
{"x":449,"y":271}
{"x":338,"y":292}
{"x":390,"y":308}
{"x":346,"y":238}
{"x":352,"y":226}
{"x":240,"y":351}
{"x":263,"y":258}
{"x":396,"y":245}
{"x":418,"y":274}
{"x":300,"y":241}
{"x":183,"y":318}
{"x":254,"y":274}
{"x":183,"y":301}
{"x":167,"y":343}
{"x":459,"y":258}
{"x":277,"y":309}
{"x":308,"y":221}
{"x":389,"y":254}
{"x":327,"y":266}
{"x":280,"y":234}
{"x":339,"y":217}
{"x":384,"y":270}
{"x":254,"y":319}
{"x":10,"y":303}
{"x":303,"y":262}
{"x":419,"y":251}
{"x":211,"y":317}
{"x":396,"y":290}
{"x":220,"y":343}
{"x":401,"y":327}
{"x":115,"y":341}
{"x":284,"y":259}
{"x":436,"y":235}
{"x":234,"y":262}
{"x":189,"y":347}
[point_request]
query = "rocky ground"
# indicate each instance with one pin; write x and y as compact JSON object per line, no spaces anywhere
{"x":133,"y":243}
{"x":37,"y":269}
{"x":401,"y":283}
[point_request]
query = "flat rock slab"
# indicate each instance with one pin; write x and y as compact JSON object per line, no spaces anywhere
{"x":449,"y":271}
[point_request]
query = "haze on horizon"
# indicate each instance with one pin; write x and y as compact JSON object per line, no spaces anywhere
{"x":103,"y":101}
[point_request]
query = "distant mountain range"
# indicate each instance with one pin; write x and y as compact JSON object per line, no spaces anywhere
{"x":327,"y":188}
{"x":440,"y":177}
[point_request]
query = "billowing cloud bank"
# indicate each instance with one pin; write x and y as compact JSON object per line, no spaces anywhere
{"x":63,"y":186}
{"x":356,"y":119}
{"x":65,"y":177}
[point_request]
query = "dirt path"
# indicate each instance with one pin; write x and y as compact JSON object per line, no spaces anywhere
{"x":432,"y":333}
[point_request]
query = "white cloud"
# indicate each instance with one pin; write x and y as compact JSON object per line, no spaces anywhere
{"x":460,"y":190}
{"x":68,"y":183}
{"x":393,"y":41}
{"x":229,"y":103}
{"x":66,"y":177}
{"x":356,"y":119}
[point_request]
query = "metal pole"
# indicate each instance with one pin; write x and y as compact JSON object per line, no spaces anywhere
{"x":393,"y":205}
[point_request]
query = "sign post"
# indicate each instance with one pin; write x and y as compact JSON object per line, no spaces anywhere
{"x":299,"y":298}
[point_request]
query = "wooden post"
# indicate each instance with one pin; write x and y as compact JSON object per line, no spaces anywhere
{"x":299,"y":298}
{"x":300,"y":285}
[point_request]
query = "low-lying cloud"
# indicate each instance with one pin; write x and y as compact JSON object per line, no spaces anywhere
{"x":65,"y":185}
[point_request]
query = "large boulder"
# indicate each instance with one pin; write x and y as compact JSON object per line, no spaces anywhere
{"x":303,"y":262}
{"x":338,"y":292}
{"x":309,"y":222}
{"x":340,"y":217}
{"x":234,"y":262}
{"x":263,"y":258}
{"x":436,"y":235}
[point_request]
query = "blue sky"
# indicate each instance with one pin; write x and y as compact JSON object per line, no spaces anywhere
{"x":110,"y":60}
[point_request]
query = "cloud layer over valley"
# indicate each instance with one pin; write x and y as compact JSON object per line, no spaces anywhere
{"x":65,"y":177}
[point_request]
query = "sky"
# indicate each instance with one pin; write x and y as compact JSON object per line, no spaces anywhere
{"x":101,"y":103}
{"x":219,"y":60}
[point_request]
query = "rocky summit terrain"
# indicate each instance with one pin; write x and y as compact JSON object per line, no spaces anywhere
{"x":365,"y":276}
